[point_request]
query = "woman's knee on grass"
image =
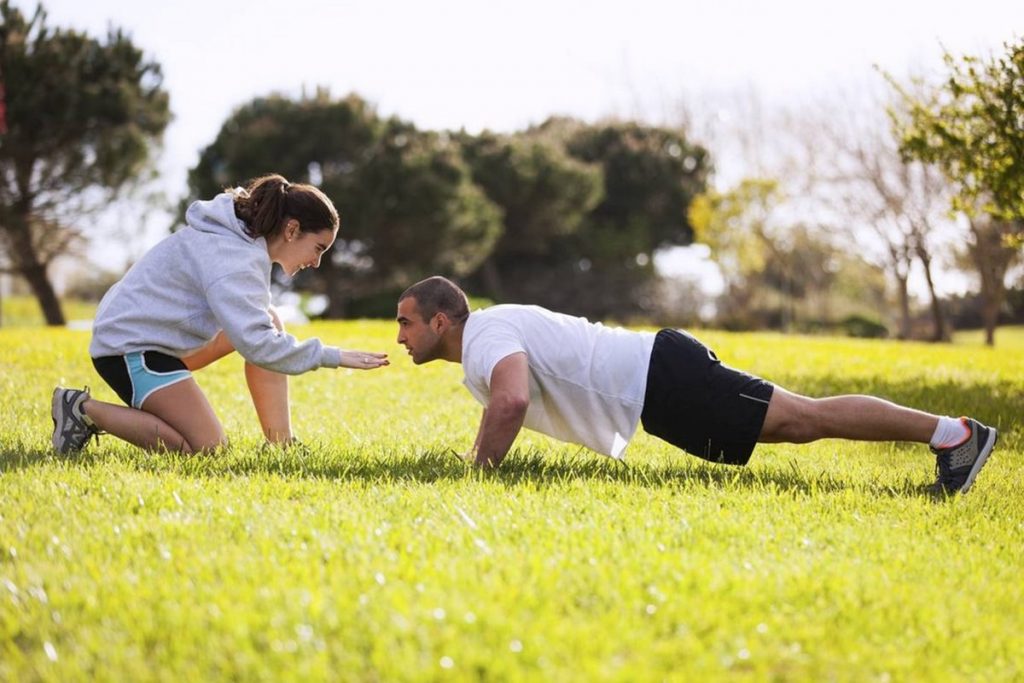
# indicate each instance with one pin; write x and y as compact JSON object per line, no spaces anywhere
{"x":205,"y":438}
{"x":210,"y":445}
{"x":183,"y":407}
{"x":195,"y":439}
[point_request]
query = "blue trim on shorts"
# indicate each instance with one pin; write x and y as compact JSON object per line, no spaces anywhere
{"x":145,"y":381}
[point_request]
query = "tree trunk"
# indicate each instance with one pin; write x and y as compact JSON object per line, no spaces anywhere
{"x":990,"y":318}
{"x":39,"y":281}
{"x":992,"y":259}
{"x":34,"y":271}
{"x":939,"y":333}
{"x":904,"y":296}
{"x":992,"y":295}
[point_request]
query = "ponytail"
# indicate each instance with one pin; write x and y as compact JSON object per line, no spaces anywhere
{"x":268,"y":201}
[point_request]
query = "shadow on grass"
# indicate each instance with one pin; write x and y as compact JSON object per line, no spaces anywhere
{"x":532,"y":468}
{"x":997,"y":403}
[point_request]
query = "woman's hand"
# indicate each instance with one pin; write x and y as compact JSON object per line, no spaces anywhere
{"x":363,"y":360}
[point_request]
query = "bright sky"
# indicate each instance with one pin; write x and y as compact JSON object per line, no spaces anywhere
{"x":504,"y":64}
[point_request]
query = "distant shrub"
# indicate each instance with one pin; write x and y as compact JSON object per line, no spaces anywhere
{"x":861,"y":326}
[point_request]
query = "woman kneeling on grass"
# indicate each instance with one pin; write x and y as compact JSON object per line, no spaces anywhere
{"x":195,"y":297}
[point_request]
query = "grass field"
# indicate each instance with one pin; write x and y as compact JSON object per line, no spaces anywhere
{"x":373,"y":555}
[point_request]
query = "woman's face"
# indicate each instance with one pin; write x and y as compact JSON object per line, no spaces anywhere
{"x":296,"y":250}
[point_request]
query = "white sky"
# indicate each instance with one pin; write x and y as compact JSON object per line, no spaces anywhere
{"x":504,"y":64}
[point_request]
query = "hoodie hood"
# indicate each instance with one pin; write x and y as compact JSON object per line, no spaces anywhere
{"x":217,"y":216}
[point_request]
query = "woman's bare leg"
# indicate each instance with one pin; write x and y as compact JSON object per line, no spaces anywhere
{"x":176,"y":417}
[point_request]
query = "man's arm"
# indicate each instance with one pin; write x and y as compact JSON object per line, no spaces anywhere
{"x":503,"y":417}
{"x":479,"y":431}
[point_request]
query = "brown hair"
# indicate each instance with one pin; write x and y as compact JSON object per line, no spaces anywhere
{"x":439,"y":295}
{"x":268,"y":201}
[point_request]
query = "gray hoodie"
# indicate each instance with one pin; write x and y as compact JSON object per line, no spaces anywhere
{"x":207,"y":277}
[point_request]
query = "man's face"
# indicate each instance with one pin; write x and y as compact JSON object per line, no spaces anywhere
{"x":417,"y":335}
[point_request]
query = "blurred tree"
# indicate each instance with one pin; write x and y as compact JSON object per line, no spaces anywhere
{"x":544,"y":195}
{"x":819,"y":280}
{"x":735,"y":225}
{"x":81,"y":118}
{"x":877,"y":192}
{"x":650,"y":177}
{"x":605,"y":267}
{"x":971,"y":126}
{"x":407,"y":202}
{"x":780,"y":274}
{"x":986,"y":249}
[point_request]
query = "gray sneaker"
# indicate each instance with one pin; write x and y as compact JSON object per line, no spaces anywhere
{"x":72,"y":428}
{"x":958,"y":466}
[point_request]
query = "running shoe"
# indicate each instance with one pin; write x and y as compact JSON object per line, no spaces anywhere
{"x":72,"y":428}
{"x":958,"y":466}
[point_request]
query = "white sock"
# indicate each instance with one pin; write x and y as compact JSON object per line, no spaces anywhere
{"x":950,"y":431}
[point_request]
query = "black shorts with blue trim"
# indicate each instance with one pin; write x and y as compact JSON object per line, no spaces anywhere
{"x":135,"y":376}
{"x":695,"y":402}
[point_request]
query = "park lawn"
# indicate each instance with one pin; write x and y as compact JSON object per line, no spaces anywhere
{"x":372,"y":554}
{"x":24,"y":312}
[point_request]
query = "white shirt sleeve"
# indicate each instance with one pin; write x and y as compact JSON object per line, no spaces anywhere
{"x":493,"y":343}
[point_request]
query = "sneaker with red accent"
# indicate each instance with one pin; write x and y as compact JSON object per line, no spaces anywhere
{"x":958,"y":466}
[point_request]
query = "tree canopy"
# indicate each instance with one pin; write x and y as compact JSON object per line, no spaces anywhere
{"x":545,"y":196}
{"x":623,"y":193}
{"x":407,"y":202}
{"x":82,"y":117}
{"x":972,"y":126}
{"x":566,"y":215}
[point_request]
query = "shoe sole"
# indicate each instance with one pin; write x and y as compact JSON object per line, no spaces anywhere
{"x":983,"y":454}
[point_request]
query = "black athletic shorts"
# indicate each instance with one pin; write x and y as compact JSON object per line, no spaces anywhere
{"x":695,"y":402}
{"x":134,"y":376}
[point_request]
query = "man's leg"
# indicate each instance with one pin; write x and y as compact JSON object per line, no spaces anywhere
{"x":793,"y":418}
{"x":961,"y":446}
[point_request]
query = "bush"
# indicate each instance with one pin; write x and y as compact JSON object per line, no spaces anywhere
{"x":861,"y":326}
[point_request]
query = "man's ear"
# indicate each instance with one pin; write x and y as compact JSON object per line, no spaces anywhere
{"x":439,"y":323}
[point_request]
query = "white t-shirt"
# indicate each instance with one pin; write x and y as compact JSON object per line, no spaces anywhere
{"x":587,"y":381}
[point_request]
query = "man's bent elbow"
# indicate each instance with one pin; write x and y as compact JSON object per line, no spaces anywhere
{"x":510,"y":408}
